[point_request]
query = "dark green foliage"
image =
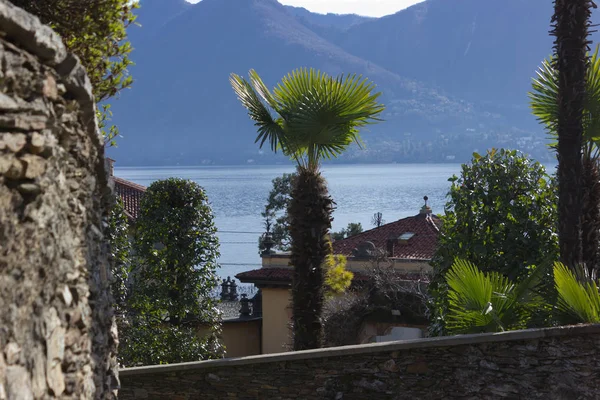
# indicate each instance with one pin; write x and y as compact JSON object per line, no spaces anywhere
{"x":310,"y":221}
{"x":500,"y":216}
{"x":276,"y":213}
{"x":353,"y":228}
{"x":177,"y":250}
{"x":120,"y":251}
{"x":144,"y":341}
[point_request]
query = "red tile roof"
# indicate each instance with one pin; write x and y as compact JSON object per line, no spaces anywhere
{"x":285,"y":276}
{"x":271,"y":275}
{"x":420,"y":247}
{"x":131,"y":195}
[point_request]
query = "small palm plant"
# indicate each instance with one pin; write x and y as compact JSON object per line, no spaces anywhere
{"x":488,"y":302}
{"x":316,"y":117}
{"x":578,"y":296}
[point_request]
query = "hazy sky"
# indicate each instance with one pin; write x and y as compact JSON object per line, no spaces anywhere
{"x":373,"y":8}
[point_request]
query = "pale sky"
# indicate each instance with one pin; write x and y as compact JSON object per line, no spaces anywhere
{"x":372,"y":8}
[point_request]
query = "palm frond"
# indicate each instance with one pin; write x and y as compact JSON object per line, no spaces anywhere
{"x":269,"y":129}
{"x":478,"y":302}
{"x":544,"y":100}
{"x":323,"y":114}
{"x":577,"y":299}
{"x":319,"y":116}
{"x":592,"y":100}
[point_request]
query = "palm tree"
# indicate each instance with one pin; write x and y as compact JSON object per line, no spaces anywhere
{"x":570,"y":26}
{"x":544,"y":103}
{"x":316,"y":117}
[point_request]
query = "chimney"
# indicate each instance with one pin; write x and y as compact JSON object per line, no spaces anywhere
{"x":110,"y":166}
{"x":425,"y":210}
{"x":391,"y":242}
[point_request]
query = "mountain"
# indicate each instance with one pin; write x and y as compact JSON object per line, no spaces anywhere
{"x":182,"y":110}
{"x":153,"y":15}
{"x":454,"y":76}
{"x":485,"y":52}
{"x":339,"y":22}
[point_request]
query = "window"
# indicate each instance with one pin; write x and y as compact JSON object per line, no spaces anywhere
{"x":406,"y":235}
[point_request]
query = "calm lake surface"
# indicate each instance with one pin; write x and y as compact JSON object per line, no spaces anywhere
{"x":238,"y":195}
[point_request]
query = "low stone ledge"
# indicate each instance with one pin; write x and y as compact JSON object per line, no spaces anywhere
{"x":446,"y":341}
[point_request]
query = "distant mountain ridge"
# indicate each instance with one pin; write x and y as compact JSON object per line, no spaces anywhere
{"x":340,"y":22}
{"x":182,"y":111}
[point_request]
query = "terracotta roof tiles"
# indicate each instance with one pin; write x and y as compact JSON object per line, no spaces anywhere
{"x":420,"y":247}
{"x":131,"y":195}
{"x":285,"y":276}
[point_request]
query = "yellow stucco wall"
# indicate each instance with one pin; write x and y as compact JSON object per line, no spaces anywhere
{"x":283,"y":261}
{"x":241,"y":338}
{"x":399,"y":265}
{"x":277,"y":313}
{"x":276,"y":261}
{"x":276,"y":320}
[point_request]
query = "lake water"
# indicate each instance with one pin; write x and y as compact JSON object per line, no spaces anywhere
{"x":238,"y":195}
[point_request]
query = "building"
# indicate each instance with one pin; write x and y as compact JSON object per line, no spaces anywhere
{"x":407,"y":245}
{"x":130,"y":193}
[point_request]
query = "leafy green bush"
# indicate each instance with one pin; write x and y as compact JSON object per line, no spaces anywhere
{"x":176,"y":252}
{"x":276,"y":213}
{"x":500,"y":216}
{"x":353,"y":228}
{"x":120,"y":251}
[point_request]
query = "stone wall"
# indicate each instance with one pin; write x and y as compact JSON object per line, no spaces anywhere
{"x":57,"y":339}
{"x":556,"y":363}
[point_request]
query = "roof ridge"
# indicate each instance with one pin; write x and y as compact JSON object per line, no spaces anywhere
{"x":133,"y":185}
{"x":378,"y":227}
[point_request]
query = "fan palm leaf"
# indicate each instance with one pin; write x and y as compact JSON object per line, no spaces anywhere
{"x":490,"y":302}
{"x":477,"y":301}
{"x":317,"y":116}
{"x":577,"y":298}
{"x":544,"y":102}
{"x":545,"y":106}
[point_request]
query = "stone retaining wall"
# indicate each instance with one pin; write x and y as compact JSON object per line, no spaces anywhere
{"x":57,"y":339}
{"x":556,"y":363}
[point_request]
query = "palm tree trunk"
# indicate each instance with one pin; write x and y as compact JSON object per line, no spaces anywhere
{"x":570,"y":21}
{"x":590,"y":225}
{"x":310,"y":220}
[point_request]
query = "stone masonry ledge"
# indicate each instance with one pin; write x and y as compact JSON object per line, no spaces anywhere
{"x":27,"y":32}
{"x":446,"y":341}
